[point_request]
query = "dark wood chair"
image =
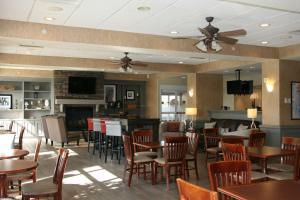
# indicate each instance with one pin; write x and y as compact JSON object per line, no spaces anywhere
{"x":233,"y":152}
{"x":211,"y":141}
{"x":287,"y":163}
{"x":175,"y":149}
{"x":48,"y":189}
{"x":143,"y":135}
{"x":19,"y":145}
{"x":29,"y":175}
{"x":257,"y":138}
{"x":229,"y":173}
{"x":133,"y":162}
{"x":232,"y":140}
{"x":192,"y":154}
{"x":188,"y":191}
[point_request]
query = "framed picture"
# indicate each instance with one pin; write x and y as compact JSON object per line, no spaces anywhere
{"x":295,"y":100}
{"x":5,"y":101}
{"x":130,"y":95}
{"x":110,"y":93}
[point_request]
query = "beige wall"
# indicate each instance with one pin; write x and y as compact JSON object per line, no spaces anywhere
{"x":191,"y":87}
{"x":209,"y":93}
{"x":270,"y":100}
{"x":289,"y":71}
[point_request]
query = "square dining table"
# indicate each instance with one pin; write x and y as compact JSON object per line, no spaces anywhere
{"x":265,"y":152}
{"x":268,"y":190}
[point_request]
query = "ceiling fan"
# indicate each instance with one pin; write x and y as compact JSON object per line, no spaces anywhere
{"x":127,"y":63}
{"x":211,"y":36}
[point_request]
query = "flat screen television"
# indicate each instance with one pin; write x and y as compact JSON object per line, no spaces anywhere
{"x":239,"y":87}
{"x":82,"y":85}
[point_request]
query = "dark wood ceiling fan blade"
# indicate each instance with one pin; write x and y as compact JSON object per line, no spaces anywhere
{"x":140,"y":64}
{"x":239,"y":32}
{"x":188,"y":37}
{"x":205,"y":32}
{"x":227,"y":39}
{"x":116,"y":61}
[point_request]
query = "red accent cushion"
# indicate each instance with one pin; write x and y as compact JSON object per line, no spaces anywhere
{"x":173,"y":126}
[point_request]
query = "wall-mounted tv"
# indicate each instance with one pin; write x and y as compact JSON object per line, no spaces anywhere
{"x":82,"y":85}
{"x":239,"y":87}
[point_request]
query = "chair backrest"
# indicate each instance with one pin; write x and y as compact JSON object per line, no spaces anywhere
{"x":128,"y":147}
{"x":21,"y":135}
{"x":232,"y":140}
{"x":228,"y":173}
{"x":142,"y":135}
{"x":289,"y":143}
{"x":257,"y":138}
{"x":193,"y":143}
{"x":175,"y":148}
{"x":56,"y":128}
{"x":45,"y":128}
{"x":113,"y":128}
{"x":3,"y":186}
{"x":233,"y":152}
{"x":90,"y":124}
{"x":188,"y":191}
{"x":37,"y":150}
{"x":60,"y":167}
{"x":211,"y":138}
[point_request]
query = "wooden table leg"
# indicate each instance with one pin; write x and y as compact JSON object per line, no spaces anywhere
{"x":264,"y":165}
{"x":3,"y":186}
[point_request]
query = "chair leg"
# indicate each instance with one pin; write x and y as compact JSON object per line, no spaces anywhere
{"x":125,"y":170}
{"x":130,"y":174}
{"x":187,"y":169}
{"x":154,"y":173}
{"x":78,"y":141}
{"x":62,"y":144}
{"x":168,"y":177}
{"x":206,"y":157}
{"x":20,"y":186}
{"x":51,"y":143}
{"x":106,"y":148}
{"x":100,"y":145}
{"x":46,"y":140}
{"x":94,"y":146}
{"x":144,"y":168}
{"x":196,"y":168}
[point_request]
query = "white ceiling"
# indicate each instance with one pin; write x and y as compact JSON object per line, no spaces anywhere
{"x":183,"y":16}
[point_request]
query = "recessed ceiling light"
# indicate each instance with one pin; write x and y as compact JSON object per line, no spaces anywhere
{"x":55,"y":9}
{"x":251,"y":67}
{"x":174,"y":32}
{"x":265,"y":42}
{"x":112,"y":57}
{"x":264,"y":25}
{"x":226,"y":71}
{"x":49,"y":18}
{"x":143,"y":8}
{"x":180,"y":62}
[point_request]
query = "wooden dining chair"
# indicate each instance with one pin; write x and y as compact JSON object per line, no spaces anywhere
{"x":192,"y":154}
{"x":3,"y":186}
{"x":143,"y":135}
{"x":287,"y":162}
{"x":48,"y":189}
{"x":29,"y":175}
{"x":257,"y":138}
{"x":233,"y":152}
{"x":132,"y":162}
{"x":229,"y":173}
{"x":175,"y":149}
{"x":188,"y":191}
{"x":19,"y":145}
{"x":211,"y":141}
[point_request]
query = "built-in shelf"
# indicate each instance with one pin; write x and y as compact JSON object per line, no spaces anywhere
{"x":37,"y":91}
{"x":36,"y":109}
{"x":11,"y":110}
{"x":34,"y":99}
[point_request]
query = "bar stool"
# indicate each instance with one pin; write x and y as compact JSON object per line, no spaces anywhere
{"x":113,"y":137}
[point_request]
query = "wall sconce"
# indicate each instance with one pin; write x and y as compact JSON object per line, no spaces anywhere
{"x":191,"y":92}
{"x":269,"y":84}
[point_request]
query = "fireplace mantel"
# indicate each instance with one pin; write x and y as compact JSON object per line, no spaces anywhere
{"x":80,"y":101}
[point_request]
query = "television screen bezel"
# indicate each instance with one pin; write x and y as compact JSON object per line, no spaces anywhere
{"x":93,"y":91}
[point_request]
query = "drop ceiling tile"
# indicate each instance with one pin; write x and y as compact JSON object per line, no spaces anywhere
{"x":15,"y":9}
{"x":42,"y":9}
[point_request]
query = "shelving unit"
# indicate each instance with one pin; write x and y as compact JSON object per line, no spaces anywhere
{"x":31,"y":99}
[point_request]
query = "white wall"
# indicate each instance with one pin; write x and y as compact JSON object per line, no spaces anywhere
{"x":228,"y":100}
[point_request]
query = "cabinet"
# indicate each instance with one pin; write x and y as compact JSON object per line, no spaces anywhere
{"x":31,"y":99}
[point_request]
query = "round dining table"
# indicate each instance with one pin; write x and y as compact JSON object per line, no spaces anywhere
{"x":13,"y":167}
{"x":13,"y":153}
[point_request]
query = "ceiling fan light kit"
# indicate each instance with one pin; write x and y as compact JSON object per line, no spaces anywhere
{"x":127,"y":63}
{"x":212,"y":37}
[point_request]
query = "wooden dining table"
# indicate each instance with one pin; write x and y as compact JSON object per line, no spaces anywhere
{"x":265,"y":152}
{"x":8,"y":167}
{"x":13,"y":153}
{"x":268,"y":190}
